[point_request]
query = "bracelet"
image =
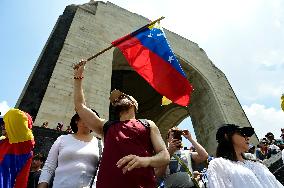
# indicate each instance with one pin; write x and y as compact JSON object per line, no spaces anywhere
{"x":78,"y":77}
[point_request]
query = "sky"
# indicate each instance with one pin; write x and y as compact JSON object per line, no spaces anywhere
{"x":244,"y":39}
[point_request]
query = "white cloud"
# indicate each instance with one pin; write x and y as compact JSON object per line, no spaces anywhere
{"x":265,"y":119}
{"x":4,"y":107}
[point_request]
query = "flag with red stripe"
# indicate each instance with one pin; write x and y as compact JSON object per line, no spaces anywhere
{"x":149,"y":54}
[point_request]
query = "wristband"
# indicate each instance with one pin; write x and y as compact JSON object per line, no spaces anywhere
{"x":78,"y":77}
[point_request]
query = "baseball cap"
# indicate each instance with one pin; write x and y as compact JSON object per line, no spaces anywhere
{"x":269,"y":134}
{"x":232,"y":128}
{"x":115,"y":94}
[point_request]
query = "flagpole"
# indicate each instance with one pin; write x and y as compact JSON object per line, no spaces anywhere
{"x":75,"y":66}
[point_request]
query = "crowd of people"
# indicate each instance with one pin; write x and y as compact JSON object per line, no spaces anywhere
{"x":59,"y":127}
{"x":269,"y":146}
{"x":134,"y":153}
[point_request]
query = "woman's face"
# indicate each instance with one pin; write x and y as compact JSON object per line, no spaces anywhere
{"x":240,"y":142}
{"x":81,"y":125}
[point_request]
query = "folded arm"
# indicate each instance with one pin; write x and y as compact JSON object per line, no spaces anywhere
{"x":161,"y":158}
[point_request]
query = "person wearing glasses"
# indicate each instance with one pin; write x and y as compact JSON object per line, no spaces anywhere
{"x":132,"y":147}
{"x":231,"y":168}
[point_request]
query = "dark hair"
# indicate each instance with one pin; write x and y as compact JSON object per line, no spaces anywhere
{"x":171,"y":130}
{"x":40,"y":157}
{"x":75,"y":119}
{"x":224,"y":136}
{"x":226,"y":149}
{"x":121,"y":108}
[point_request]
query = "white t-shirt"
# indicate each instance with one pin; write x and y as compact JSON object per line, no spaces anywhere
{"x":175,"y":166}
{"x":223,"y":173}
{"x":176,"y":174}
{"x":73,"y":162}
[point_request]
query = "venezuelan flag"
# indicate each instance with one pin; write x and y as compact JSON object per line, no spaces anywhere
{"x":16,"y":149}
{"x":149,"y":54}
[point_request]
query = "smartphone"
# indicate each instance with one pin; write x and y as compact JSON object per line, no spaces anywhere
{"x":177,"y":134}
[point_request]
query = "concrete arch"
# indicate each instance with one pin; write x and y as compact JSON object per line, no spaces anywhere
{"x":206,"y":109}
{"x":84,"y":29}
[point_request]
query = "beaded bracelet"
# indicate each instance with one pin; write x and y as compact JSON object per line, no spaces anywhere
{"x":78,"y":77}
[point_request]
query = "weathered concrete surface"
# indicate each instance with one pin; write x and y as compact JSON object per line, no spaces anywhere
{"x":90,"y":28}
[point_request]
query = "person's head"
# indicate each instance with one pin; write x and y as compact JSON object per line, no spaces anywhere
{"x":263,"y":143}
{"x":270,"y":136}
{"x":122,"y":102}
{"x":18,"y":126}
{"x":232,"y":139}
{"x":171,"y":132}
{"x":174,"y":133}
{"x":282,"y":136}
{"x":3,"y":131}
{"x":38,"y":161}
{"x":60,"y":125}
{"x":76,"y":122}
{"x":251,"y":149}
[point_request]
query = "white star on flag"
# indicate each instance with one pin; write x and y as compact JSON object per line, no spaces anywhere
{"x":171,"y":58}
{"x":150,"y":35}
{"x":160,"y":34}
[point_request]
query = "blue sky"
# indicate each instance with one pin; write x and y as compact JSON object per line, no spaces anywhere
{"x":243,"y":38}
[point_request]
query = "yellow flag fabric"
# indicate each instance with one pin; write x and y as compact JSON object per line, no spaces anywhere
{"x":17,"y":126}
{"x":282,"y":102}
{"x":166,"y":101}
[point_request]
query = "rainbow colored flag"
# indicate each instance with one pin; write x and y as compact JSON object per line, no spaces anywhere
{"x":149,"y":54}
{"x":16,"y":149}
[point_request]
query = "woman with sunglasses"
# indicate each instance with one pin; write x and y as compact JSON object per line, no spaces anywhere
{"x":231,"y":168}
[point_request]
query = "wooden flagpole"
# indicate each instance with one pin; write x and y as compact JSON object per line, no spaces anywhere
{"x":76,"y":66}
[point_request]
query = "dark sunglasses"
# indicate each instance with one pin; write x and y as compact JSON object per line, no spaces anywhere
{"x":121,"y":97}
{"x":242,"y":134}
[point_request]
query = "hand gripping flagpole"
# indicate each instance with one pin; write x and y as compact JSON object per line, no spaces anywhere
{"x":76,"y":66}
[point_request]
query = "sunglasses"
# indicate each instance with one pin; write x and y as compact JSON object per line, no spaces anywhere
{"x":121,"y":97}
{"x":242,"y":134}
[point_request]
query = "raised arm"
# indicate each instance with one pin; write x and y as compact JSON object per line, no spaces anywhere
{"x":201,"y":154}
{"x":86,"y":114}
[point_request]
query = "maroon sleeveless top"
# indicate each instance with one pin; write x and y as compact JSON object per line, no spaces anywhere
{"x":121,"y":139}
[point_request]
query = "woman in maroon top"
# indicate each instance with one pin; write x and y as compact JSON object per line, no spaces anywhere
{"x":131,"y":150}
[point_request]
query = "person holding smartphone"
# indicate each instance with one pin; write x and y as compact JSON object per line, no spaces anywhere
{"x":174,"y":174}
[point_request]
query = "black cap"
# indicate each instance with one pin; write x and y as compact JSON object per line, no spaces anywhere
{"x":269,"y":134}
{"x":232,"y":128}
